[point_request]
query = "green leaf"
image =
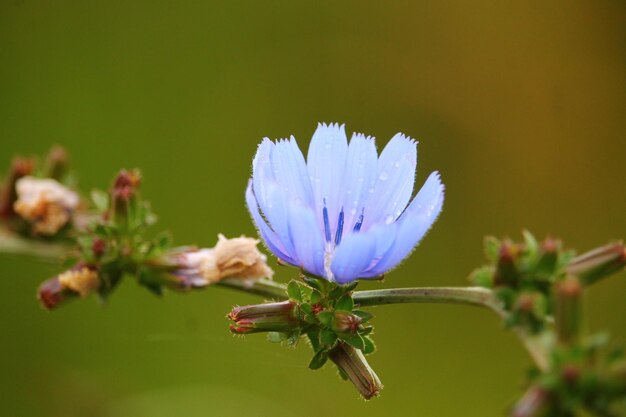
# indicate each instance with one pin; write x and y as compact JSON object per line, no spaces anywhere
{"x":319,"y":359}
{"x":492,"y":248}
{"x":532,"y":247}
{"x":483,"y":277}
{"x":328,"y":337}
{"x":364,"y":315}
{"x":345,"y":303}
{"x":366,"y":330}
{"x":342,"y":374}
{"x":293,"y":290}
{"x":314,"y":338}
{"x":370,"y":347}
{"x":325,"y":317}
{"x":100,"y":200}
{"x":355,"y":341}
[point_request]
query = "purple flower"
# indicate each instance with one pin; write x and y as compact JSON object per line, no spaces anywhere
{"x":343,"y":213}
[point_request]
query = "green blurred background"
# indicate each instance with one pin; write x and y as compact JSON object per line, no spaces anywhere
{"x":520,"y":105}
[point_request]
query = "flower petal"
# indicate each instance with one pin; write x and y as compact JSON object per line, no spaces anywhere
{"x":360,"y":177}
{"x":385,"y":235}
{"x":290,"y":170}
{"x":307,"y":239}
{"x":326,"y":161}
{"x":414,"y":223}
{"x":271,"y":239}
{"x":394,"y":185}
{"x":262,"y":173}
{"x":352,"y":257}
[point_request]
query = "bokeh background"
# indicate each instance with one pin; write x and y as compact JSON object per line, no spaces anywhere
{"x":520,"y":105}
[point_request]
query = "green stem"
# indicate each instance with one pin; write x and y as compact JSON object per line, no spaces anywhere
{"x":264,"y":287}
{"x":450,"y":295}
{"x":13,"y":244}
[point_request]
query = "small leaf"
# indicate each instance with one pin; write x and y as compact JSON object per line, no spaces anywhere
{"x":364,"y":315}
{"x":328,"y":337}
{"x":345,"y":303}
{"x":342,"y":374}
{"x":483,"y":277}
{"x":366,"y":330}
{"x":325,"y":317}
{"x":370,"y":347}
{"x":293,"y":289}
{"x":316,"y":296}
{"x":492,"y":248}
{"x":319,"y":359}
{"x":100,"y":200}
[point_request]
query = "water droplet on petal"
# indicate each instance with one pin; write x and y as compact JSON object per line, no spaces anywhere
{"x":397,"y":164}
{"x":389,"y":219}
{"x":383,"y":176}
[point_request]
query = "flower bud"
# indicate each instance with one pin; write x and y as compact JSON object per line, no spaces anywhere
{"x":268,"y":317}
{"x":45,"y":203}
{"x":506,"y":270}
{"x":548,"y":257}
{"x":345,"y":323}
{"x":51,"y":293}
{"x":568,"y":306}
{"x":123,"y":194}
{"x":57,"y":163}
{"x":353,"y":365}
{"x":598,"y":263}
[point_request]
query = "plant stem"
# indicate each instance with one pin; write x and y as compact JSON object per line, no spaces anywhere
{"x":15,"y":245}
{"x":450,"y":295}
{"x":264,"y":287}
{"x":476,"y":296}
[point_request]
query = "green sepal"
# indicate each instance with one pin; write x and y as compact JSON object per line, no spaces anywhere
{"x":531,"y":247}
{"x":325,"y":317}
{"x":342,"y":374}
{"x":315,"y":297}
{"x":314,"y":337}
{"x":294,"y":292}
{"x":366,"y":330}
{"x":369,"y":347}
{"x":345,"y":303}
{"x":355,"y":340}
{"x":364,"y":315}
{"x":319,"y":359}
{"x":328,"y":337}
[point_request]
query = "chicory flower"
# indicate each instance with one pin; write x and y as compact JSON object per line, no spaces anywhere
{"x":344,"y":213}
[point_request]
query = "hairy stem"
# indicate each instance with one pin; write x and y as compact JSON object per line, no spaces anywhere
{"x":12,"y":244}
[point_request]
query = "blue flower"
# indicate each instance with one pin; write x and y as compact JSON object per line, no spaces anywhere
{"x":344,"y":214}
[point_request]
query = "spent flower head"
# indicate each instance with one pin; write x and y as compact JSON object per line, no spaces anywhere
{"x":345,"y":213}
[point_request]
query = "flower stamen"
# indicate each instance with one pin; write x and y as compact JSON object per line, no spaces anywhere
{"x":339,"y":228}
{"x":359,"y":222}
{"x":326,"y":222}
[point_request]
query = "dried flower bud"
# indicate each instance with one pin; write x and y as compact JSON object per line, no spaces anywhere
{"x":45,"y":203}
{"x":268,"y":317}
{"x":352,"y":364}
{"x":598,"y":263}
{"x":8,"y":195}
{"x":81,"y":280}
{"x":345,"y":323}
{"x":51,"y":293}
{"x":230,"y":258}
